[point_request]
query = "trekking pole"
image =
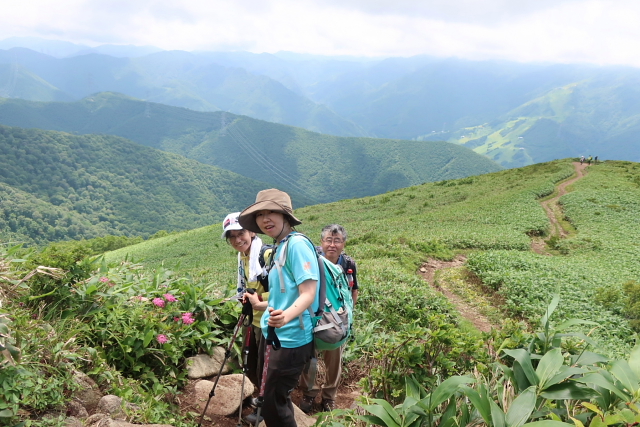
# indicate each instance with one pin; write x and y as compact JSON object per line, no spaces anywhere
{"x":271,"y":341}
{"x":247,"y":314}
{"x":245,"y":370}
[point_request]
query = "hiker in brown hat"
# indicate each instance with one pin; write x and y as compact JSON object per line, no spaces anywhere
{"x":292,"y":291}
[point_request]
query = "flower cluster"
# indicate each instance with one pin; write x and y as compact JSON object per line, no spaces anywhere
{"x":162,"y":339}
{"x":187,"y":318}
{"x":170,"y":298}
{"x":159,"y":302}
{"x":106,"y":280}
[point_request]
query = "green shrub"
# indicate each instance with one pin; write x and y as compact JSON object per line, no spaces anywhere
{"x":632,"y":303}
{"x":145,"y":325}
{"x":52,"y":292}
{"x":438,"y":350}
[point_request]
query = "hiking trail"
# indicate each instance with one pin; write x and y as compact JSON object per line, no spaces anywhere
{"x":428,"y":271}
{"x":554,"y":211}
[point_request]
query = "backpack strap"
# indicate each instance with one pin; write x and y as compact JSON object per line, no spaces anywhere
{"x":279,"y":264}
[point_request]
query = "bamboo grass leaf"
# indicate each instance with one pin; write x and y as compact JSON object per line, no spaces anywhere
{"x":549,"y":366}
{"x":521,"y":408}
{"x":524,"y":358}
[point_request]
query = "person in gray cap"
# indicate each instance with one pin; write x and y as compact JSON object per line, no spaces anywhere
{"x":250,"y":276}
{"x":292,"y":291}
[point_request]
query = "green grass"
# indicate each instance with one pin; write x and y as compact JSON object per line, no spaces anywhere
{"x":491,"y":217}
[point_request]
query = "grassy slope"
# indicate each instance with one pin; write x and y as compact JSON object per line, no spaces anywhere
{"x":324,"y":168}
{"x":490,"y":215}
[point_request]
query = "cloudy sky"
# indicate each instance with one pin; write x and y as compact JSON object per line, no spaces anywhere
{"x":591,"y":31}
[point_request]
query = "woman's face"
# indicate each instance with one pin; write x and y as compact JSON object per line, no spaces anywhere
{"x":273,"y":224}
{"x":241,"y":240}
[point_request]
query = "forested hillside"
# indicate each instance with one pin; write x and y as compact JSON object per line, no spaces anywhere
{"x":324,"y":168}
{"x":56,"y":186}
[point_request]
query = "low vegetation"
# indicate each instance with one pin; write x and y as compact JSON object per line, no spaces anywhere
{"x":567,"y":357}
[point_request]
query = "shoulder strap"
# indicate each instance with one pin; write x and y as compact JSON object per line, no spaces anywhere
{"x":279,"y":264}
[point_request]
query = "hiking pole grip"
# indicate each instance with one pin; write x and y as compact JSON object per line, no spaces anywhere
{"x":247,"y":309}
{"x":272,"y":338}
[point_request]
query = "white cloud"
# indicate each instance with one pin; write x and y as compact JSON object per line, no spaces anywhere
{"x":595,"y":31}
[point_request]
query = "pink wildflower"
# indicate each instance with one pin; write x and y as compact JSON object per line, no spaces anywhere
{"x":140,"y":298}
{"x":162,"y":339}
{"x":158,"y":302}
{"x":176,"y":319}
{"x":187,"y":318}
{"x":170,"y":298}
{"x":104,"y":279}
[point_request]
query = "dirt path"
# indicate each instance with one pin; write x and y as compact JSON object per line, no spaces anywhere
{"x":553,"y":210}
{"x":428,"y":271}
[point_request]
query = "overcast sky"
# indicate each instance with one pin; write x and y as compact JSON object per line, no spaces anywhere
{"x":591,"y":31}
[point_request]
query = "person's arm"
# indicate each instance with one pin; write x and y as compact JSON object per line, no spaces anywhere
{"x":256,"y":302}
{"x":307,"y":289}
{"x":356,"y":285}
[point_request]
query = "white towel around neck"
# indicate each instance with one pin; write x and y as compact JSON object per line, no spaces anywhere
{"x":254,"y":263}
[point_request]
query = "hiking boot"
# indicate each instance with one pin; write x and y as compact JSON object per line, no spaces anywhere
{"x":251,"y":418}
{"x":253,"y":402}
{"x":328,"y":405}
{"x":306,"y":404}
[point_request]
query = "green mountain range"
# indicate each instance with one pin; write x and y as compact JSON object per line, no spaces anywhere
{"x":58,"y":186}
{"x":174,"y":78}
{"x":322,"y":168}
{"x":594,"y":117}
{"x":485,"y":105}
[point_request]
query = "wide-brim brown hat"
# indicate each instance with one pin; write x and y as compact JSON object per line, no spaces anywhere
{"x":272,"y":200}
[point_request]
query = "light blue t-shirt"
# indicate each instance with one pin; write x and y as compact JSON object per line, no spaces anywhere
{"x":301,"y":264}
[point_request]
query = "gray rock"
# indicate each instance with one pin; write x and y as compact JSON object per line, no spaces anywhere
{"x":95,"y":419}
{"x":73,"y":422}
{"x":103,"y":420}
{"x":302,"y":419}
{"x":111,"y":405}
{"x":87,"y":393}
{"x":203,"y":365}
{"x":77,"y":410}
{"x":227,"y":395}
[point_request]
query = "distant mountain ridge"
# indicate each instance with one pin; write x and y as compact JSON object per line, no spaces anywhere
{"x":322,"y":168}
{"x":474,"y":103}
{"x":176,"y":78}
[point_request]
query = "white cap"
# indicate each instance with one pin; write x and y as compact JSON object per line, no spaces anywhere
{"x":230,"y":223}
